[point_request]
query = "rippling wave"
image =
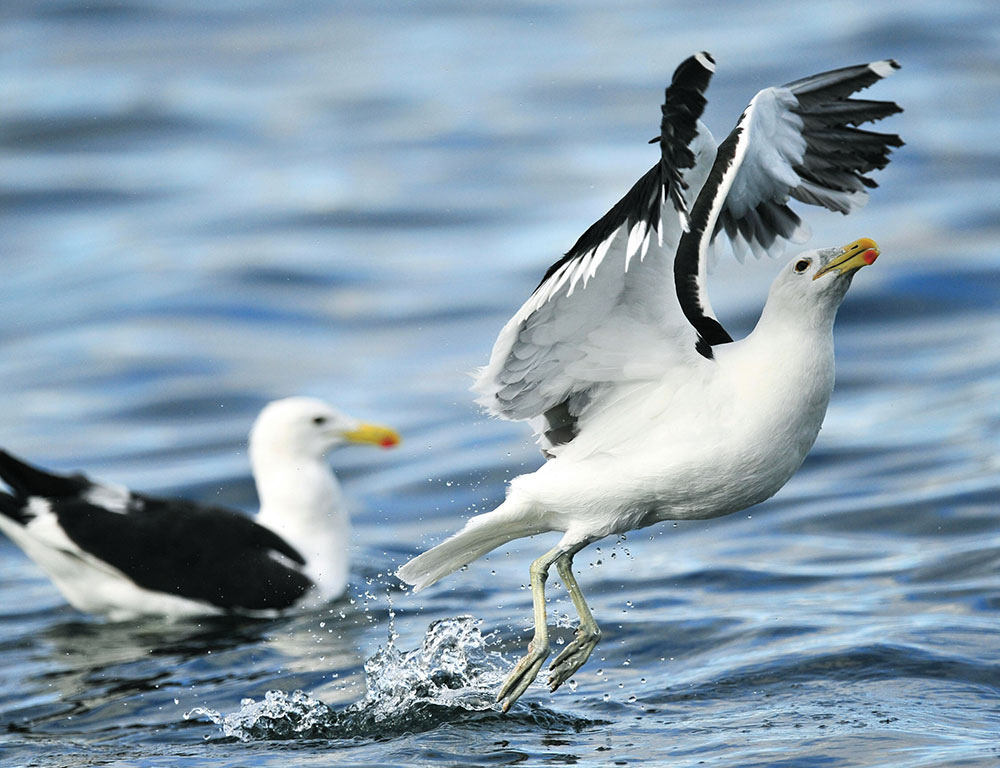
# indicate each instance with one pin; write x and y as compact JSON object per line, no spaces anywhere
{"x":202,"y":209}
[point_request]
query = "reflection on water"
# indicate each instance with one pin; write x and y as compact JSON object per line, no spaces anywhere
{"x":202,"y":210}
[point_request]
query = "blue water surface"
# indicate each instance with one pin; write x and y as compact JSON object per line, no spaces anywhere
{"x":205,"y":206}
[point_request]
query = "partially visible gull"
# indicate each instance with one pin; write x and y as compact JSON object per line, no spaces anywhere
{"x":644,"y":406}
{"x":112,"y":551}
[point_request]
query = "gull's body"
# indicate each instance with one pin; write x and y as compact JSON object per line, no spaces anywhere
{"x":123,"y":554}
{"x":627,"y":481}
{"x":644,"y":406}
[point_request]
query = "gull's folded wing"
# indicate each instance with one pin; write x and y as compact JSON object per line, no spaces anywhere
{"x":205,"y":553}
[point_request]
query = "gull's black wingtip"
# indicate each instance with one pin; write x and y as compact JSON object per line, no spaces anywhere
{"x":28,"y":480}
{"x":703,"y":59}
{"x":692,"y":75}
{"x":694,"y":72}
{"x":683,"y":103}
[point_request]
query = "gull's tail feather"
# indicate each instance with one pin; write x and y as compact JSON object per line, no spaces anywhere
{"x":480,"y":534}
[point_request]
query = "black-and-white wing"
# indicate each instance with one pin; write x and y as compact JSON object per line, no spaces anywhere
{"x":209,"y":554}
{"x":800,"y":141}
{"x":603,"y":313}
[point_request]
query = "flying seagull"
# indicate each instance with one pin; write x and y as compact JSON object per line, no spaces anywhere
{"x":644,"y":407}
{"x":112,"y":551}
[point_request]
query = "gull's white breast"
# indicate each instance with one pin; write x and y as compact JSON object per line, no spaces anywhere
{"x":698,"y":443}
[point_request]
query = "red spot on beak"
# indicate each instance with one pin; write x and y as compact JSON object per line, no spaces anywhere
{"x":389,"y":442}
{"x":869,"y":256}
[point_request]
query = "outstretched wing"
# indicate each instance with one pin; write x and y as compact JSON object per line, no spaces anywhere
{"x":799,"y":140}
{"x":802,"y":141}
{"x":603,"y":313}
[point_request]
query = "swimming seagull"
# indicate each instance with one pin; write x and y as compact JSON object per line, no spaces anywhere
{"x":644,"y":406}
{"x":112,"y":551}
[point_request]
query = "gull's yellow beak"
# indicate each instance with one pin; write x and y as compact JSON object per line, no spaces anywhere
{"x":858,"y":254}
{"x":373,"y":434}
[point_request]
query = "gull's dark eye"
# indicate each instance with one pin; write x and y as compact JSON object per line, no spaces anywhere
{"x":802,"y":265}
{"x":319,"y":420}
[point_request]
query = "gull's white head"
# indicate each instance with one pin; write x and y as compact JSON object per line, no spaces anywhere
{"x":306,"y":428}
{"x":811,"y":286}
{"x":299,"y":495}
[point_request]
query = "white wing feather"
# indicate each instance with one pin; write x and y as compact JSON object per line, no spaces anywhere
{"x":574,"y":335}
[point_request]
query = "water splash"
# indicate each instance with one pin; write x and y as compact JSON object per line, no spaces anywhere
{"x":453,"y":667}
{"x":451,"y":673}
{"x":278,"y":715}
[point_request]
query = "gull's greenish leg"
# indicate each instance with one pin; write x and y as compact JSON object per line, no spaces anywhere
{"x":538,"y":649}
{"x":588,"y":633}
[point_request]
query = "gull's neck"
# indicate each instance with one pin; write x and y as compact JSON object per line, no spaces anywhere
{"x":784,"y":371}
{"x":301,"y":500}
